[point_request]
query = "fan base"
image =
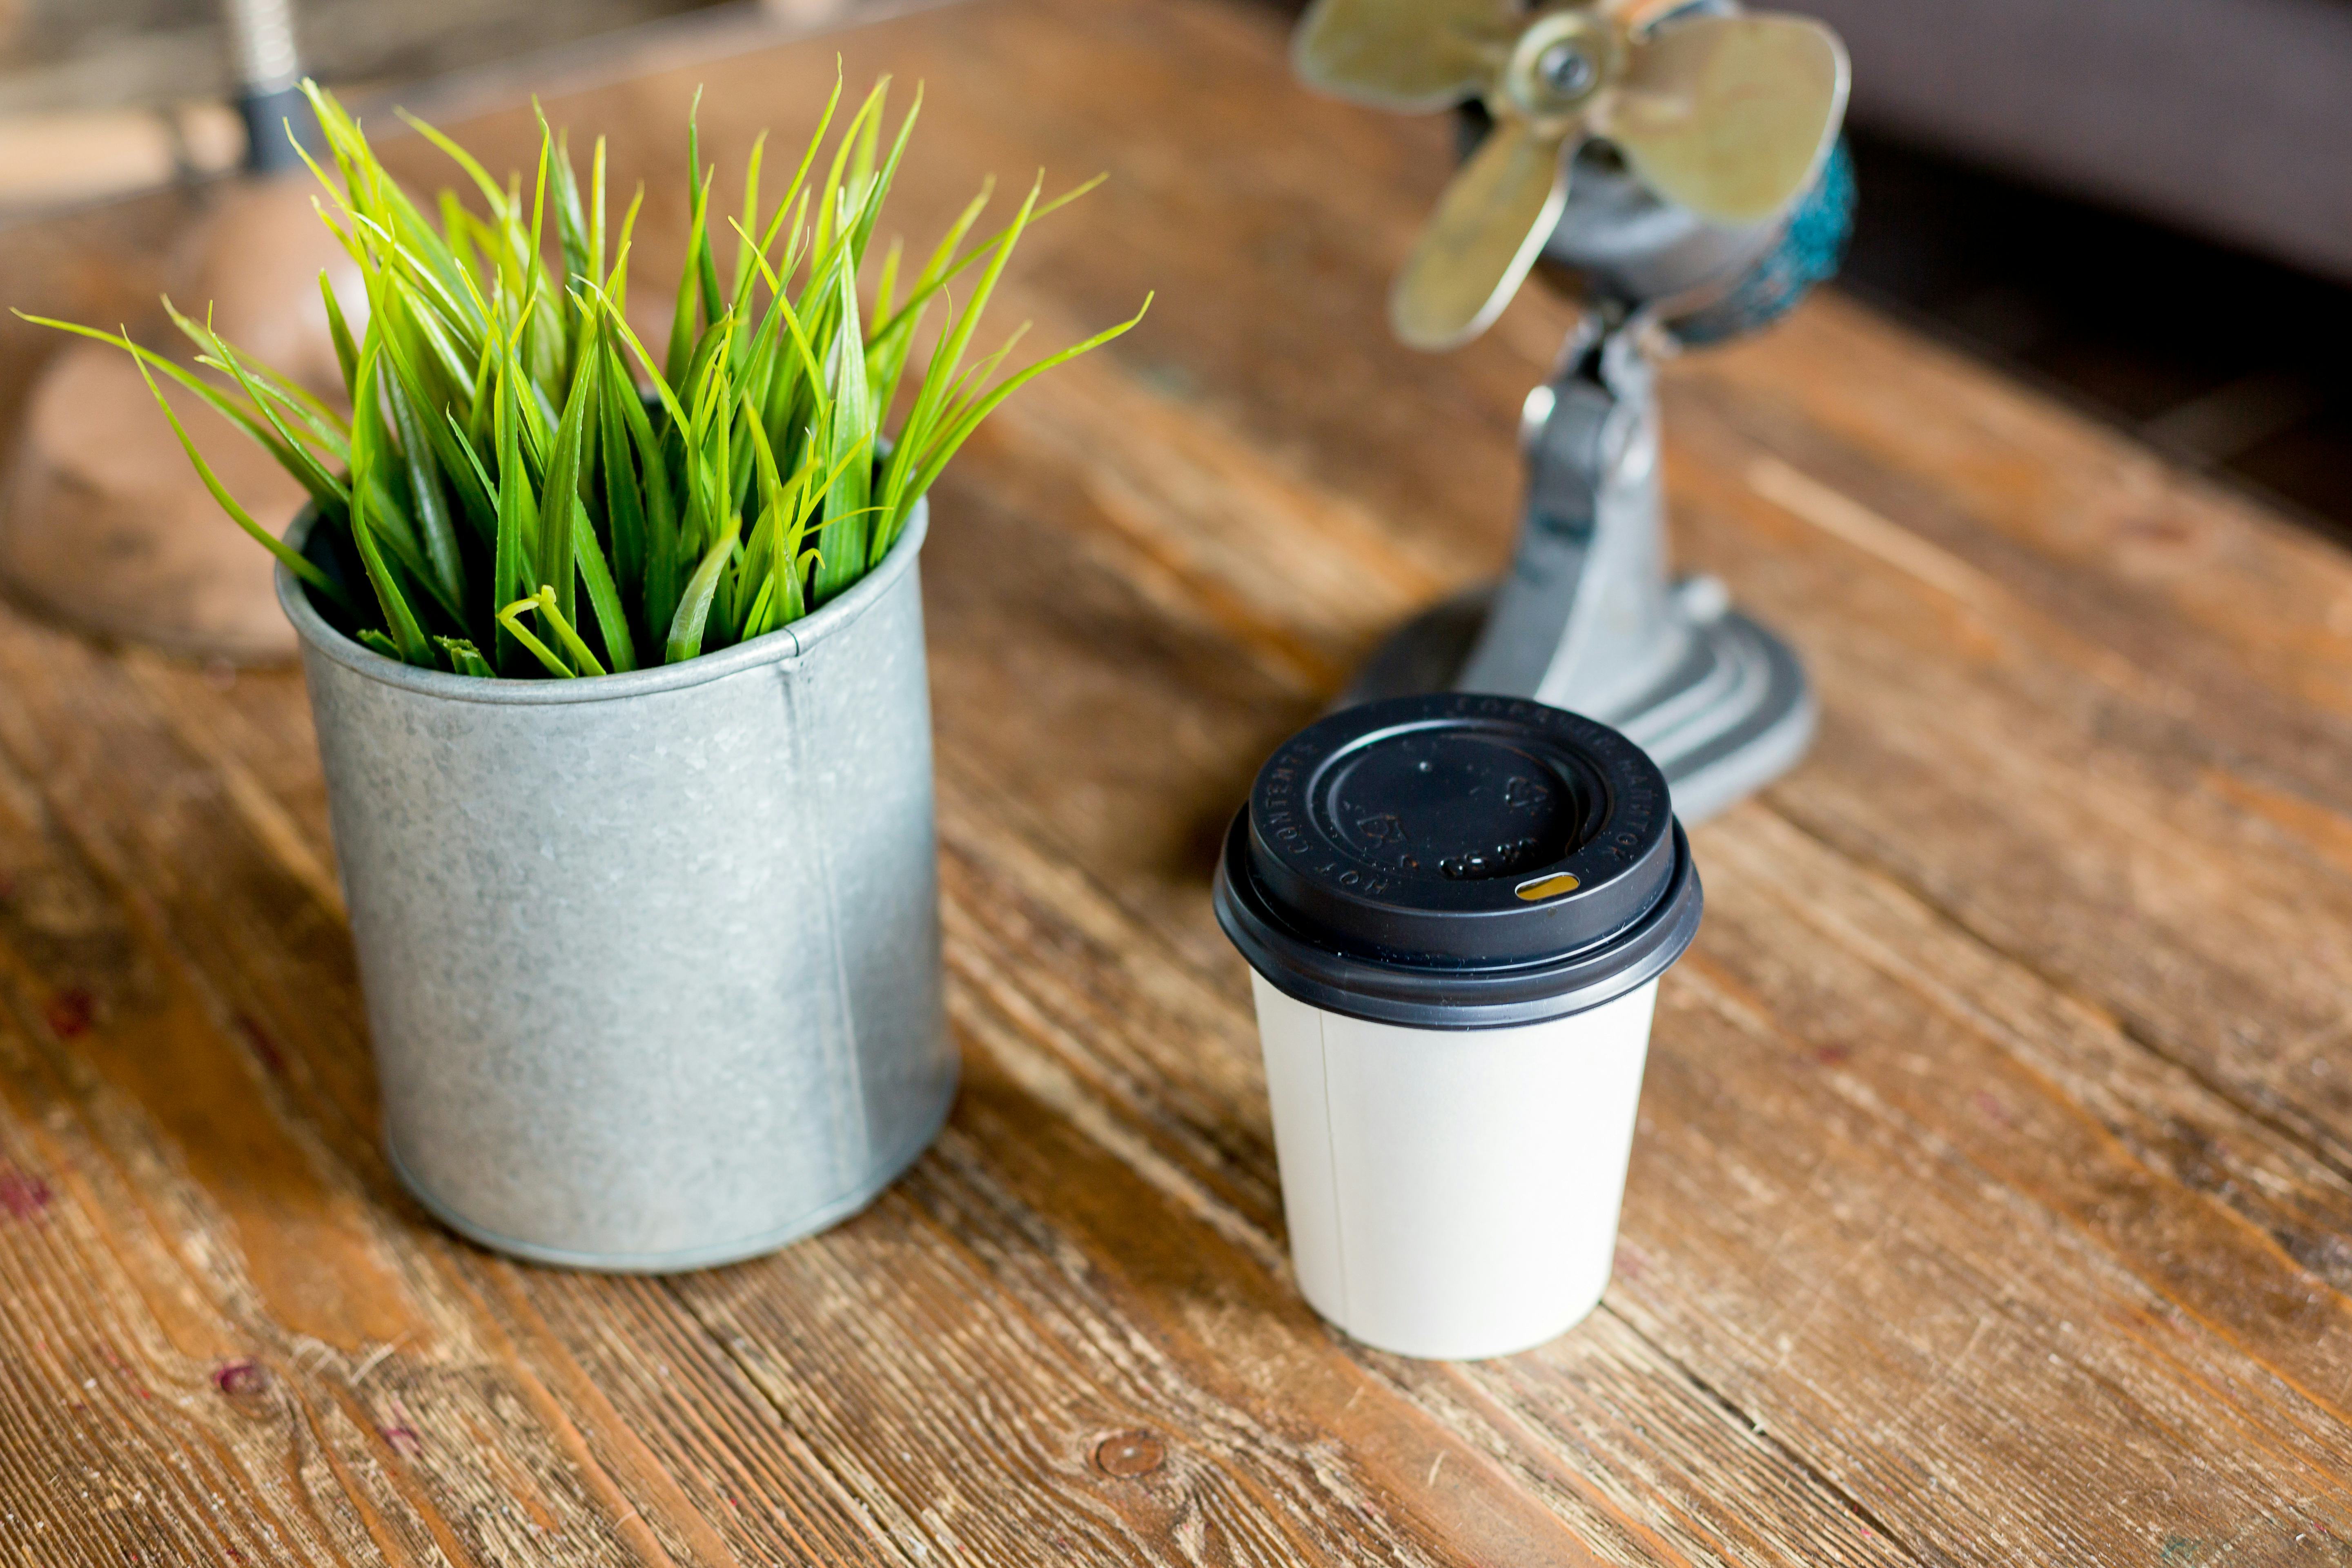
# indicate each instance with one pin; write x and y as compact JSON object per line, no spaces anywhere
{"x":1733,"y":714}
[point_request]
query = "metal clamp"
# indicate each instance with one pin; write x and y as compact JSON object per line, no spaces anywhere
{"x":1588,"y":618}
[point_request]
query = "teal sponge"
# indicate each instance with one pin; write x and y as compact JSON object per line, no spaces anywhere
{"x":1809,"y":253}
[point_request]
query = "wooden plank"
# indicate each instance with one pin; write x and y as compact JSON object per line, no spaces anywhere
{"x":253,"y":811}
{"x":204,"y":1092}
{"x":1101,"y":718}
{"x":244,"y":810}
{"x":2012,"y":1300}
{"x":1984,"y":468}
{"x":1110,"y":802}
{"x":480,"y":1399}
{"x":1102,"y":1007}
{"x":2148,"y":1203}
{"x":2152,"y":1167}
{"x":1980,"y":1211}
{"x":245,"y":799}
{"x":2095,"y":823}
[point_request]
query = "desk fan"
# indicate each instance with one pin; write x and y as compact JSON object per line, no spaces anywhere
{"x":1680,"y":163}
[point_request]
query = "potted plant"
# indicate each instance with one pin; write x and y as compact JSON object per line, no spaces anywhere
{"x":617,"y":667}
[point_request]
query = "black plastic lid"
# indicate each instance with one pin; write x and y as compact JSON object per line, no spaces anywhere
{"x":1456,"y":862}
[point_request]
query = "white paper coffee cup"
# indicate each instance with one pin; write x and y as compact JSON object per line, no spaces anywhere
{"x":1458,"y":908}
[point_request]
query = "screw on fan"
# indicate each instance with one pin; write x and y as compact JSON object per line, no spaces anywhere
{"x":1726,"y":115}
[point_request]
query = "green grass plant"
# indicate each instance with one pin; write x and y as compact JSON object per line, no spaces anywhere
{"x":521,"y":488}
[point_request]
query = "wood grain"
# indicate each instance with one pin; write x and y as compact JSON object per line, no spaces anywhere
{"x":1992,"y":1201}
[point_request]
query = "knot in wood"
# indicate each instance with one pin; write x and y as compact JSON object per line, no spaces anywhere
{"x":1129,"y":1454}
{"x":240,"y":1378}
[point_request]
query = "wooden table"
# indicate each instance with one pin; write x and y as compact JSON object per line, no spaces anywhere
{"x":1992,"y":1201}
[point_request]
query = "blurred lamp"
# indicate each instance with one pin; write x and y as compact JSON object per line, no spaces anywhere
{"x":103,"y":527}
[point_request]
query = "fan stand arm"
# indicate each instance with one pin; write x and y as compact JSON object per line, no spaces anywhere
{"x":1588,"y":619}
{"x":269,"y":71}
{"x":1583,"y":617}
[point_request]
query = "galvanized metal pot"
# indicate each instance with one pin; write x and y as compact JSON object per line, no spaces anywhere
{"x":652,"y":961}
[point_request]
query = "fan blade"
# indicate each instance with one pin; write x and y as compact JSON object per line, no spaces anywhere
{"x":1416,"y":56}
{"x":1488,"y":230}
{"x":1730,"y":116}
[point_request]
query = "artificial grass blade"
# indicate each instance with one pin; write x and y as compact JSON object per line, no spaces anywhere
{"x":513,"y":448}
{"x":293,"y":559}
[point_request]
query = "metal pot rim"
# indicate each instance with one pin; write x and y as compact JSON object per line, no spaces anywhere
{"x":784,"y":643}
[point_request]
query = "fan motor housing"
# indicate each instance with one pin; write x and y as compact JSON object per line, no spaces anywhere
{"x":1619,"y":246}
